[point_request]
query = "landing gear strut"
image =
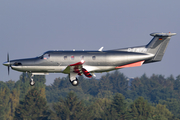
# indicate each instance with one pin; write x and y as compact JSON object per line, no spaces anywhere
{"x":74,"y":82}
{"x":32,"y":83}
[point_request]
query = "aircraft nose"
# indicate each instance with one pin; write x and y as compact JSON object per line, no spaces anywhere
{"x":6,"y":63}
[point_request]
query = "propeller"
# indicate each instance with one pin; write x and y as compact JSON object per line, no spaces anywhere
{"x":7,"y":63}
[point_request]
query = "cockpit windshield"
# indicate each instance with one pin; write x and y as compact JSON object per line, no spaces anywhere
{"x":40,"y":55}
{"x":46,"y":56}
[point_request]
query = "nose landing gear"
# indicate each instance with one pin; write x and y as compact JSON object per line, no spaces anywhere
{"x":32,"y":83}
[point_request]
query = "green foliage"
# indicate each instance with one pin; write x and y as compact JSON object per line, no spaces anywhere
{"x":88,"y":88}
{"x":61,"y":87}
{"x":10,"y":84}
{"x":70,"y":108}
{"x":110,"y":97}
{"x":140,"y":109}
{"x":4,"y":103}
{"x":173,"y":105}
{"x":24,"y":85}
{"x":13,"y":102}
{"x":33,"y":107}
{"x":2,"y":108}
{"x":154,"y":88}
{"x":162,"y":113}
{"x":119,"y":105}
{"x":115,"y":82}
{"x":98,"y":109}
{"x":116,"y":109}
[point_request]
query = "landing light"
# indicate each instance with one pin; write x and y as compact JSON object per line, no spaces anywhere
{"x":82,"y":61}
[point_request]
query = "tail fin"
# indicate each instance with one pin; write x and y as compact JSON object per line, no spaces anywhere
{"x":158,"y":44}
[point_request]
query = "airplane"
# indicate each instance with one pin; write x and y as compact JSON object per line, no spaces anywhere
{"x":89,"y":62}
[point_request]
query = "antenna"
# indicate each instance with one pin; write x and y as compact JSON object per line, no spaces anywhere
{"x":101,"y":49}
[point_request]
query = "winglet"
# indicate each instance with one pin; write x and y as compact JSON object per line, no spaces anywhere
{"x":100,"y":49}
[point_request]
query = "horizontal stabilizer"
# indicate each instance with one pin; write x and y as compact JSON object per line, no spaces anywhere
{"x":163,"y":34}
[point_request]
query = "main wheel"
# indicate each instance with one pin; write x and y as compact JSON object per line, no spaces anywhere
{"x":75,"y":82}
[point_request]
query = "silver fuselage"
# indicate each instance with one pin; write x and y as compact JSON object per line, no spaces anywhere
{"x":95,"y":61}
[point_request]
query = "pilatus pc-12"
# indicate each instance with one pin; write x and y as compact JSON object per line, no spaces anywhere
{"x":89,"y":62}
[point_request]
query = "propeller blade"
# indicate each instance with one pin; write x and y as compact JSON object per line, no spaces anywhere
{"x":8,"y":70}
{"x":8,"y":57}
{"x":8,"y":62}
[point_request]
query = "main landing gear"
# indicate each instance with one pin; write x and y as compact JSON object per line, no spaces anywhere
{"x":74,"y":82}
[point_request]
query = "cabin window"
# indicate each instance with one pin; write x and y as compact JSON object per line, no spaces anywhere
{"x":72,"y":57}
{"x":46,"y":56}
{"x":65,"y":57}
{"x":93,"y":57}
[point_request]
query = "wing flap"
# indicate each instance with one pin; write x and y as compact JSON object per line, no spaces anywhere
{"x":86,"y":73}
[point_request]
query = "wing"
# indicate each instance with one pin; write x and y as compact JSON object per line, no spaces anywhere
{"x":76,"y":69}
{"x":73,"y":67}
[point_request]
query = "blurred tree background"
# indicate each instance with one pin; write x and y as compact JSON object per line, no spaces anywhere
{"x":113,"y":97}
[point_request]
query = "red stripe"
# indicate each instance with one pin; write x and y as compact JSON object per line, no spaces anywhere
{"x":131,"y":65}
{"x":86,"y":73}
{"x":79,"y":63}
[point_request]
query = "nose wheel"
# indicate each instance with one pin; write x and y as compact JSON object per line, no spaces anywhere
{"x":32,"y":83}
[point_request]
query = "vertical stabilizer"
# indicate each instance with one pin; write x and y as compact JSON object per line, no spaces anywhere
{"x":158,"y":44}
